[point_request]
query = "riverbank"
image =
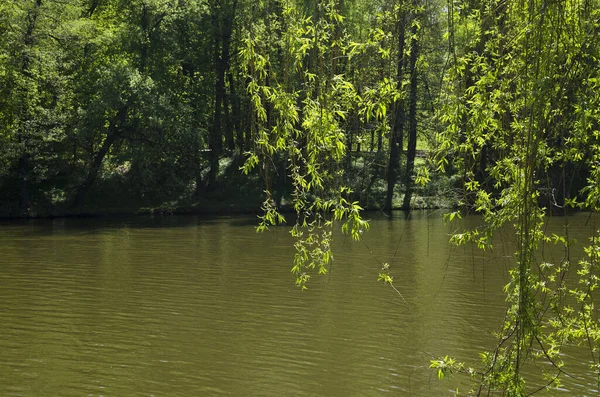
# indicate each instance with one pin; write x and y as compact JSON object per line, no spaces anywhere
{"x":201,"y":207}
{"x":119,"y":195}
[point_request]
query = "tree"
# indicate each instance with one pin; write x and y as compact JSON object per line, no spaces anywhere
{"x":223,"y":21}
{"x":36,"y":105}
{"x":519,"y":103}
{"x":397,"y":133}
{"x":412,"y":108}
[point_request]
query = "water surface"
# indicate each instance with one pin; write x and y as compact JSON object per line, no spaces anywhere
{"x":196,"y":306}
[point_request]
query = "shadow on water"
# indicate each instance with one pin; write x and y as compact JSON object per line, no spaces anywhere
{"x":41,"y":227}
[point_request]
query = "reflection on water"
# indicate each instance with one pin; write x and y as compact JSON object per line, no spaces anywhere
{"x":189,"y":306}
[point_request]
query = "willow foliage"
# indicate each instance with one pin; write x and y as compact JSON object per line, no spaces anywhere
{"x":300,"y":103}
{"x":520,"y":107}
{"x":519,"y":111}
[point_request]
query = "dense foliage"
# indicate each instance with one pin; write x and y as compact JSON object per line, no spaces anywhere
{"x":330,"y":105}
{"x":521,"y":125}
{"x":110,"y":104}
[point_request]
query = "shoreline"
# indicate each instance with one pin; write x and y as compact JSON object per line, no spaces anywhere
{"x":217,"y":209}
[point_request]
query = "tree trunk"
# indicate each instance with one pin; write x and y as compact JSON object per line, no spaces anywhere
{"x":223,"y":28}
{"x":111,"y":137}
{"x":25,"y":201}
{"x":412,"y":117}
{"x":25,"y":113}
{"x":372,"y":145}
{"x":235,"y":115}
{"x":397,"y":133}
{"x":198,"y":170}
{"x":215,"y":142}
{"x":226,"y":60}
{"x":145,"y":38}
{"x":85,"y":187}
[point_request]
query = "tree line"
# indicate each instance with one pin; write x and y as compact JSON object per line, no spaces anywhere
{"x":150,"y":96}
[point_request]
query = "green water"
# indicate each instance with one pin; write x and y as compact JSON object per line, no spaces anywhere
{"x":191,"y":306}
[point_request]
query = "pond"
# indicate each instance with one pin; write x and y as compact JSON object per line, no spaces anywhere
{"x":200,"y":306}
